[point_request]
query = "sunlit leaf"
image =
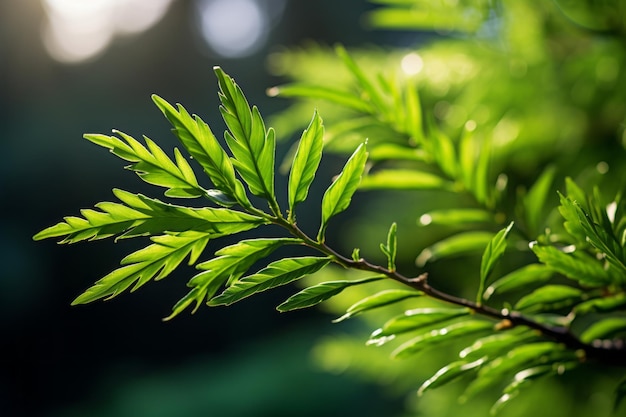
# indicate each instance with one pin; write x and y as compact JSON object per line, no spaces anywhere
{"x":492,"y":254}
{"x":604,"y":329}
{"x":517,"y":359}
{"x":403,"y":179}
{"x":443,"y":335}
{"x":140,"y":215}
{"x":449,"y":373}
{"x":535,"y":199}
{"x":456,"y":217}
{"x":577,"y":265}
{"x":152,"y":164}
{"x":321,"y":292}
{"x":603,"y":304}
{"x":372,"y":94}
{"x":338,"y":196}
{"x":199,"y":141}
{"x":549,"y":297}
{"x":419,"y":318}
{"x":277,"y":273}
{"x":532,"y":274}
{"x":253,"y":146}
{"x":495,"y":344}
{"x":305,"y":163}
{"x":465,"y":243}
{"x":380,"y":299}
{"x":230,"y":263}
{"x":155,"y":261}
{"x":389,"y":250}
{"x":315,"y":91}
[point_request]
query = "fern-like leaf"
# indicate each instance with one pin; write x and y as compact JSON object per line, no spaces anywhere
{"x":155,"y":261}
{"x":152,"y":164}
{"x":140,"y":215}
{"x":253,"y":146}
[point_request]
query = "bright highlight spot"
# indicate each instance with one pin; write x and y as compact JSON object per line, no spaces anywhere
{"x":233,"y":28}
{"x":79,"y":30}
{"x":412,"y":64}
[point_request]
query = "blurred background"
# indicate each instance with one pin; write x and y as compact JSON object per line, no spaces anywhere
{"x":68,"y":67}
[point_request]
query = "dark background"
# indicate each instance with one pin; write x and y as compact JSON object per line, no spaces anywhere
{"x":117,"y":358}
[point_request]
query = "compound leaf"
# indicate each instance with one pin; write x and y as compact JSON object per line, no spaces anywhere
{"x":253,"y":146}
{"x":140,"y":215}
{"x":155,"y":261}
{"x":277,"y":273}
{"x":152,"y":164}
{"x":197,"y":137}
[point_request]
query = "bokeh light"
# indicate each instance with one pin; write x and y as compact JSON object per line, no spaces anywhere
{"x":76,"y":31}
{"x":236,"y":28}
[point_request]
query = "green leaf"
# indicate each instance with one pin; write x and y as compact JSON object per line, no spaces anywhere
{"x":397,"y":152}
{"x":620,"y":393}
{"x":305,"y":163}
{"x":380,"y":299}
{"x":603,"y":304}
{"x":417,"y":319}
{"x":549,"y":297}
{"x":403,"y":179}
{"x":465,"y":243}
{"x":449,"y":373}
{"x":518,"y":358}
{"x":371,"y":93}
{"x":277,"y":273}
{"x":443,"y":150}
{"x":152,"y":164}
{"x":576,"y":265}
{"x":456,"y":217}
{"x":604,"y":329}
{"x":492,"y":254}
{"x":253,"y":146}
{"x":321,"y":292}
{"x":532,"y":274}
{"x":198,"y":139}
{"x":337,"y":197}
{"x":535,"y":200}
{"x":524,"y":377}
{"x":431,"y":18}
{"x":570,"y":212}
{"x":443,"y":335}
{"x":495,"y":344}
{"x":389,"y":250}
{"x":230,"y":264}
{"x":601,"y":237}
{"x":140,"y":215}
{"x":315,"y":91}
{"x":155,"y":261}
